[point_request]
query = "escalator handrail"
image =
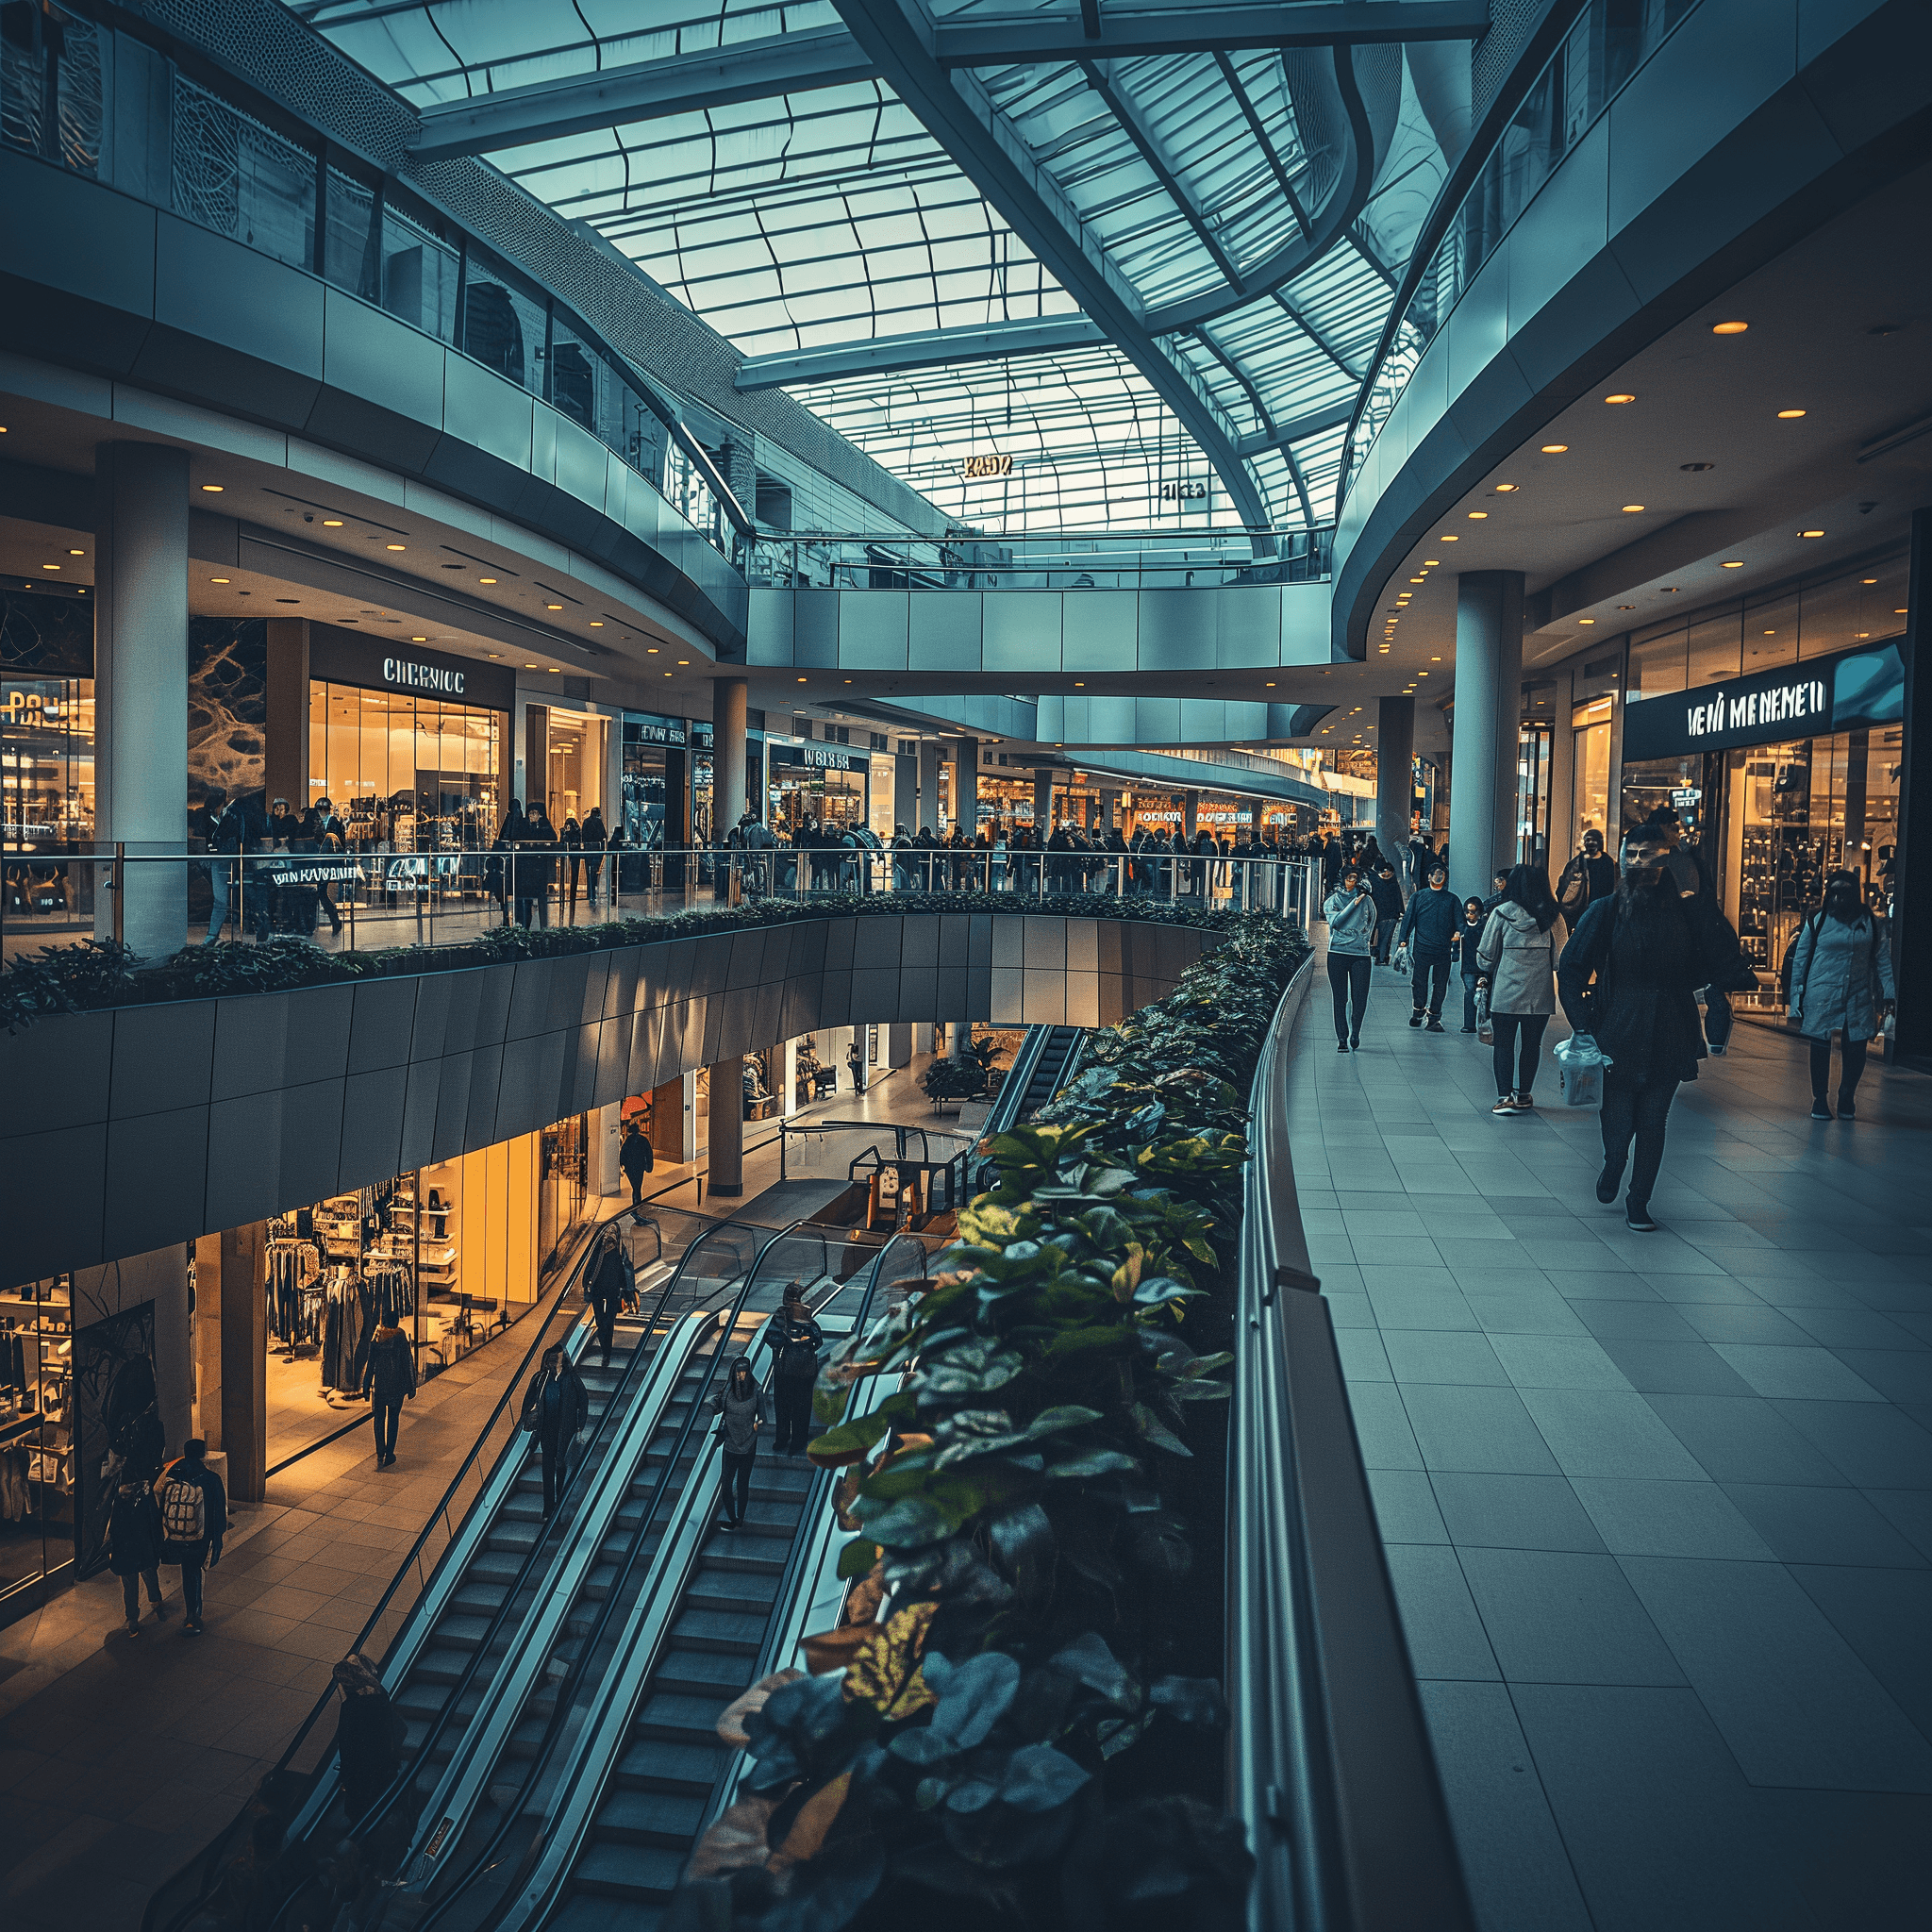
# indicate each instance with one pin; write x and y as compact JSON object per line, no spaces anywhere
{"x":1012,"y":1094}
{"x":220,"y":1848}
{"x":1328,"y":1760}
{"x":595,"y":1636}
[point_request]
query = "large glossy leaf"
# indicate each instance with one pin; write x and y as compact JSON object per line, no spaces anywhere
{"x":973,"y":1697}
{"x":884,"y":1669}
{"x":1039,"y":1778}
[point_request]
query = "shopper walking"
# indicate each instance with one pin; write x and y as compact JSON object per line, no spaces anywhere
{"x":636,"y":1157}
{"x":1350,"y":911}
{"x":1468,"y":936}
{"x":1517,"y":956}
{"x":1386,"y":888}
{"x":1843,"y":983}
{"x":740,"y":1406}
{"x":536,"y":867}
{"x":594,"y":839}
{"x":134,"y":1550}
{"x":556,"y":1411}
{"x":194,"y":1517}
{"x":1591,"y":875}
{"x":608,"y":1286}
{"x":1428,"y":929}
{"x":389,"y":1380}
{"x":1421,"y":855}
{"x":1687,"y":875}
{"x":794,"y":1340}
{"x":1628,"y":980}
{"x":370,"y":1734}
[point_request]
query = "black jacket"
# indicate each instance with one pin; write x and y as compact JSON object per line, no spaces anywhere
{"x":215,"y":1510}
{"x":392,"y":1372}
{"x":604,"y":1290}
{"x":141,"y":1447}
{"x":575,"y":1411}
{"x":134,"y":1534}
{"x":1388,"y":896}
{"x":1433,"y":920}
{"x":781,"y":1331}
{"x":1643,"y":1011}
{"x":369,"y":1733}
{"x":637,"y":1156}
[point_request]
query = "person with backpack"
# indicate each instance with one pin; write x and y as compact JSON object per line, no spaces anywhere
{"x":636,"y":1157}
{"x":556,"y":1411}
{"x":388,"y":1379}
{"x":1428,"y":930}
{"x":1842,"y":982}
{"x":740,"y":1406}
{"x":194,"y":1517}
{"x":134,"y":1550}
{"x":370,"y":1735}
{"x":611,"y":1282}
{"x":794,"y":1340}
{"x":1517,"y":956}
{"x":1350,"y":912}
{"x":1628,"y":980}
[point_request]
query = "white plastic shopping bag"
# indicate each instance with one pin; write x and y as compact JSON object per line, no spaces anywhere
{"x":1580,"y":1064}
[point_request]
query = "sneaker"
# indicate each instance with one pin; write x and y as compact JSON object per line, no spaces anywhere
{"x":1435,"y":1024}
{"x":192,"y":1628}
{"x":1637,"y":1218}
{"x":1505,"y":1103}
{"x":726,"y":1525}
{"x":1469,"y":1029}
{"x":1607,"y":1183}
{"x":1354,"y":1046}
{"x":1342,"y":1046}
{"x":1524,"y":1103}
{"x":1415,"y":1019}
{"x":160,"y":1610}
{"x":1846,"y":1109}
{"x":132,"y":1627}
{"x":1717,"y":1048}
{"x":1821,"y":1108}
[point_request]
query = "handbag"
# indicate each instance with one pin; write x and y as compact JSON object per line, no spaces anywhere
{"x":1485,"y":1026}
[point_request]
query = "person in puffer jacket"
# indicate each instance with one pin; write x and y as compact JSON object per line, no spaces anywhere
{"x":1517,"y":955}
{"x":1350,"y":911}
{"x":1429,"y":926}
{"x":1842,"y":982}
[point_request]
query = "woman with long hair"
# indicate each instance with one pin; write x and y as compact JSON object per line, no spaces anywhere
{"x":1842,"y":982}
{"x":1517,"y":956}
{"x":740,"y":1406}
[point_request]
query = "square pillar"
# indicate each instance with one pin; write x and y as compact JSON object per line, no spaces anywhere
{"x":286,"y":740}
{"x":928,"y":786}
{"x":726,"y":1125}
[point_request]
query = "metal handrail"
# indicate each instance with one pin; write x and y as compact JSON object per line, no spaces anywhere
{"x":1328,"y":1758}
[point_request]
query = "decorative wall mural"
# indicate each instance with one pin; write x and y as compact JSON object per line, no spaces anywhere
{"x":227,"y":704}
{"x":44,"y":636}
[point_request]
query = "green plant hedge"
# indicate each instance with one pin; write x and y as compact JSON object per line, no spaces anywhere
{"x":93,"y":973}
{"x":1030,"y":1737}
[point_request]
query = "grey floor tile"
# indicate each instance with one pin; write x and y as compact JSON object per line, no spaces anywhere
{"x":1674,"y":1368}
{"x":1742,"y":1438}
{"x":1885,"y":1615}
{"x":1638,"y":1321}
{"x":1750,"y":1324}
{"x":1562,"y":1617}
{"x":1419,"y":1355}
{"x":1348,"y":1310}
{"x":1607,"y":1432}
{"x":1876,"y":1444}
{"x":1524,"y":1312}
{"x":1362,"y":1357}
{"x":1850,"y":1328}
{"x":1406,"y":1510}
{"x":1398,"y":1307}
{"x":1807,"y":1375}
{"x":1519,"y":1875}
{"x":1794,"y":1703}
{"x":1600,"y":1285}
{"x":1909,"y":1512}
{"x":1485,"y":1430}
{"x":1381,"y":1426}
{"x":1445,"y":1635}
{"x":1715,"y":1290}
{"x":1645,"y":1517}
{"x":1557,"y":1361}
{"x":1514,"y":1512}
{"x":1859,"y":1856}
{"x":1806,"y":1524}
{"x":1899,"y":1374}
{"x":1663,"y":1832}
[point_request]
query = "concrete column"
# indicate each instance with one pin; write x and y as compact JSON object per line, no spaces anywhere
{"x":231,"y":1350}
{"x":1109,"y":811}
{"x":1912,"y":925}
{"x":906,"y":792}
{"x":898,"y":1045}
{"x":727,"y":1127}
{"x":141,"y":684}
{"x":928,"y":786}
{"x":1482,"y":761}
{"x":728,"y":697}
{"x":286,"y":741}
{"x":1394,"y":774}
{"x":1043,"y":804}
{"x":1191,"y":813}
{"x":606,"y":1136}
{"x":965,"y":756}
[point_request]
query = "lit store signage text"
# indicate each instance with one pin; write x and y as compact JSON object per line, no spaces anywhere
{"x":415,"y":677}
{"x":1805,"y":699}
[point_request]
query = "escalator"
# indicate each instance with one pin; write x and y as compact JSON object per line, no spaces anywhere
{"x":1045,"y":1062}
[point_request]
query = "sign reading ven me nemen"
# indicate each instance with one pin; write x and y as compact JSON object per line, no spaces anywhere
{"x":1808,"y":700}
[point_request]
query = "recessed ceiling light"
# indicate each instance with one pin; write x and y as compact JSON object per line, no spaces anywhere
{"x":1627,"y":607}
{"x":1729,"y":329}
{"x":801,"y":680}
{"x":492,"y":655}
{"x":50,"y":566}
{"x":1788,"y":415}
{"x":1771,"y":633}
{"x":392,"y":546}
{"x":1415,"y":580}
{"x":1555,"y":449}
{"x":1900,"y":612}
{"x":76,"y":552}
{"x":212,"y":489}
{"x":596,"y":624}
{"x":1448,"y":539}
{"x":1586,"y":620}
{"x":686,"y":660}
{"x":220,"y":580}
{"x":1734,"y":563}
{"x":1630,"y":509}
{"x":1478,"y":516}
{"x":1810,"y":533}
{"x":419,"y":640}
{"x":1435,"y":660}
{"x":1504,"y":489}
{"x":529,"y":667}
{"x":486,"y":580}
{"x":1620,"y":398}
{"x":1868,"y":580}
{"x":331,"y":523}
{"x":553,"y":607}
{"x":1430,"y":562}
{"x":1861,"y":633}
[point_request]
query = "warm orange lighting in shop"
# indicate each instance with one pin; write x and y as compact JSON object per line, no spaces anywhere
{"x":1620,"y":399}
{"x":1556,"y":449}
{"x":1729,"y":329}
{"x":1788,"y":415}
{"x":1734,"y":564}
{"x":1631,"y":509}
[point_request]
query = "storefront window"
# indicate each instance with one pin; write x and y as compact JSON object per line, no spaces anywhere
{"x":1771,"y":632}
{"x":822,"y":794}
{"x":574,"y":765}
{"x":1657,"y":664}
{"x":47,"y":797}
{"x":1590,"y":727}
{"x":1533,"y":793}
{"x":404,"y":771}
{"x":37,"y":1459}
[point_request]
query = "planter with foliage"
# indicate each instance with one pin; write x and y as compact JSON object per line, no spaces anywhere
{"x":1017,"y":1723}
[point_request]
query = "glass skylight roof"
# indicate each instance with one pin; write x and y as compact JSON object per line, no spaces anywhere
{"x":826,"y":215}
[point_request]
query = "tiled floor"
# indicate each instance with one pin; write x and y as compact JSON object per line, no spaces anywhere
{"x":1658,"y":1507}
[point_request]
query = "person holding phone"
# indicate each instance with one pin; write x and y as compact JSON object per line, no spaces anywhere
{"x":1350,"y":911}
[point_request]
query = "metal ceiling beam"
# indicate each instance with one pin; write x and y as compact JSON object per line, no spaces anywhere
{"x":926,"y":349}
{"x":1282,"y":434}
{"x":958,"y":114}
{"x":1028,"y":40}
{"x":642,"y":91}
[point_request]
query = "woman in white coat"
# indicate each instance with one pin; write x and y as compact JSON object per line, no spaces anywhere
{"x":1516,"y":957}
{"x":1841,"y":980}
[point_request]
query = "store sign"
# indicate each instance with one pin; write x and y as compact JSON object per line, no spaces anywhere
{"x":339,"y":656}
{"x":406,"y":674}
{"x":30,"y":707}
{"x":1812,"y":700}
{"x":826,"y":757}
{"x":976,"y":468}
{"x":1192,"y":490}
{"x":645,"y":727}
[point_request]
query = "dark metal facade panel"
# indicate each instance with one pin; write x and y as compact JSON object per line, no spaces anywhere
{"x":1044,"y":998}
{"x":157,"y":1179}
{"x":919,"y":992}
{"x":374,"y":1108}
{"x":382,"y":1025}
{"x":1009,"y":944}
{"x":1006,"y":993}
{"x":837,"y":943}
{"x":417,"y":1145}
{"x":67,"y":1164}
{"x":710,"y":966}
{"x":486,"y":1085}
{"x":523,"y":1098}
{"x":494,"y":986}
{"x":767,"y":1013}
{"x":434,"y":993}
{"x":65,"y":1071}
{"x":876,"y":995}
{"x":382,"y":386}
{"x":163,"y":1057}
{"x":452,"y":1132}
{"x":979,"y":940}
{"x":747,"y":961}
{"x":949,"y":993}
{"x":919,"y":943}
{"x":531,"y":988}
{"x":1046,"y":942}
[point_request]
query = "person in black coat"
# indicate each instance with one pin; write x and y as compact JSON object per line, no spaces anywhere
{"x":134,"y":1549}
{"x":794,"y":1340}
{"x":605,"y":1287}
{"x":534,"y":861}
{"x":636,"y":1157}
{"x":1628,"y":978}
{"x":556,"y":1411}
{"x":389,"y":1380}
{"x":1428,"y":929}
{"x":1387,"y":890}
{"x":595,"y":840}
{"x":369,"y":1733}
{"x":194,"y":1553}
